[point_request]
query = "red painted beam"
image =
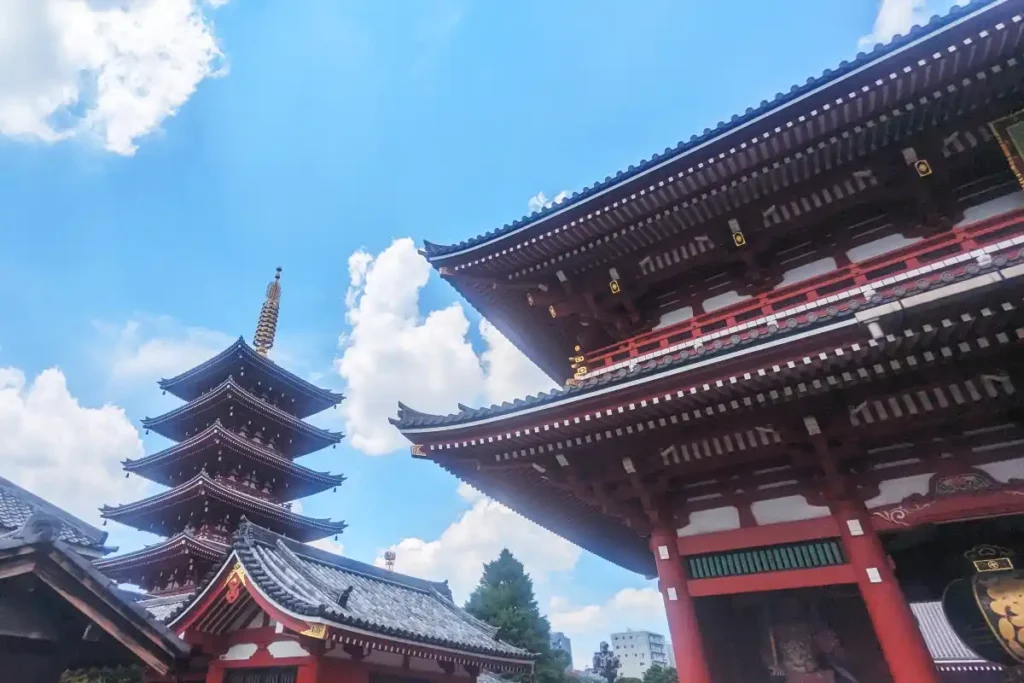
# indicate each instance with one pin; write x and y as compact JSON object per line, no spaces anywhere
{"x":752,"y":537}
{"x":772,"y":581}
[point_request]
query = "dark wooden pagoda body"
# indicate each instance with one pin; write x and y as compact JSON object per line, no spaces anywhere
{"x":791,"y":350}
{"x":237,"y":438}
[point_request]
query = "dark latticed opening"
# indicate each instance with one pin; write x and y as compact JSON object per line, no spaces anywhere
{"x":807,"y":555}
{"x":280,"y":674}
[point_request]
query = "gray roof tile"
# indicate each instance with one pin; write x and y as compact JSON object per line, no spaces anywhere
{"x":17,"y":505}
{"x":311,"y":582}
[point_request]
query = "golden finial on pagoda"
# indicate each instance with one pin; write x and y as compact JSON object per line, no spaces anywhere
{"x":266,"y":328}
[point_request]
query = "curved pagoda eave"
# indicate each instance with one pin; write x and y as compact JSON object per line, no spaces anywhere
{"x":152,"y":514}
{"x":189,"y":385}
{"x":176,"y":551}
{"x":189,"y":419}
{"x":292,"y":480}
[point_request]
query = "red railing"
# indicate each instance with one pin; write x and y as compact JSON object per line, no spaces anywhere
{"x":951,"y":243}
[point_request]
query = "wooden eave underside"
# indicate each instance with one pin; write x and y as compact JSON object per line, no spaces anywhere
{"x":85,"y":592}
{"x":201,"y":489}
{"x":928,"y":268}
{"x":302,"y":480}
{"x":304,"y":437}
{"x":935,"y":80}
{"x":810,"y":170}
{"x":937,"y":374}
{"x":174,"y":550}
{"x":191,"y":383}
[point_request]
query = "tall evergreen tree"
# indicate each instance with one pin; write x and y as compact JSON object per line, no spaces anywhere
{"x":504,"y":598}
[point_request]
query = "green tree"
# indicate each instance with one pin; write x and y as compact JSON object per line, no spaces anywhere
{"x":628,"y":679}
{"x":661,"y":674}
{"x":504,"y":598}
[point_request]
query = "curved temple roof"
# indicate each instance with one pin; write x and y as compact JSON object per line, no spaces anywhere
{"x":250,"y":504}
{"x":723,"y":135}
{"x":191,"y":383}
{"x":149,"y":465}
{"x":345,"y":594}
{"x":17,"y":505}
{"x":168,"y":424}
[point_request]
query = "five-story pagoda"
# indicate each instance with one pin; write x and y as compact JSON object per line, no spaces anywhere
{"x":236,"y":441}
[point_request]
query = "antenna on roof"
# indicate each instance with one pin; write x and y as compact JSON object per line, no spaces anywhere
{"x":266,"y":328}
{"x":389,"y":560}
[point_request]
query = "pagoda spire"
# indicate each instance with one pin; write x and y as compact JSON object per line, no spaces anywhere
{"x":266,"y":328}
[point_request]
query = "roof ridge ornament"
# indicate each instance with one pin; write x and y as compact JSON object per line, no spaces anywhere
{"x":266,"y":327}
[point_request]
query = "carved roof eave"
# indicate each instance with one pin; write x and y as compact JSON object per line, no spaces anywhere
{"x":260,"y":453}
{"x":729,"y":139}
{"x":227,"y":495}
{"x":301,"y":611}
{"x":418,"y":426}
{"x":179,"y":544}
{"x":280,"y":416}
{"x":308,"y":389}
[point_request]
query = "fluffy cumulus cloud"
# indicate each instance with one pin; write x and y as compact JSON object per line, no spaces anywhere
{"x":477,"y":537}
{"x":899,"y":16}
{"x":149,"y":348}
{"x":397,"y":352}
{"x":109,"y":70}
{"x":540,"y":201}
{"x":588,"y":625}
{"x":59,"y":449}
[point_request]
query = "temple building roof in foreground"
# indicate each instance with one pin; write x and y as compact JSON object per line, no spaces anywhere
{"x":732,"y":132}
{"x":17,"y":505}
{"x":318,"y":587}
{"x":691,"y":360}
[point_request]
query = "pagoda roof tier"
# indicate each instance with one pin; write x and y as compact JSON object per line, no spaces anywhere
{"x":301,"y":586}
{"x":168,"y":512}
{"x":231,"y":403}
{"x":182,"y":461}
{"x":609,"y":254}
{"x":301,"y":398}
{"x":987,"y":248}
{"x":173,"y":552}
{"x":941,"y":364}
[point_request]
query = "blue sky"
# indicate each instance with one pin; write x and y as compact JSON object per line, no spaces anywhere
{"x":144,"y":204}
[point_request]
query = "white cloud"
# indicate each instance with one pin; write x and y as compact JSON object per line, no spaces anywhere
{"x":150,"y":348}
{"x":101,"y":69}
{"x":396,"y":353}
{"x":476,"y":538}
{"x":67,"y":453}
{"x":540,"y":201}
{"x":588,"y":625}
{"x":899,"y":16}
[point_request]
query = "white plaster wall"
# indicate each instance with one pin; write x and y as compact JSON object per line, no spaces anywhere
{"x":722,"y":300}
{"x":1004,"y":470}
{"x":384,"y":658}
{"x":239,"y":652}
{"x":894,"y":490}
{"x":882,"y":245}
{"x":708,"y":521}
{"x":993,"y":207}
{"x":281,"y":649}
{"x":786,"y":509}
{"x":807,"y":271}
{"x":673,"y":317}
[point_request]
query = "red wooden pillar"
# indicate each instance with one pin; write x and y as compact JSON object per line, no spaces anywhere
{"x":895,"y":627}
{"x":682,"y":617}
{"x":309,"y":672}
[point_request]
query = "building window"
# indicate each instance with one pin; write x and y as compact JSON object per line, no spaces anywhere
{"x":283,"y":674}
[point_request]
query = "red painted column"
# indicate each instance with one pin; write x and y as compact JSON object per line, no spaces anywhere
{"x":682,"y":617}
{"x":896,"y":628}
